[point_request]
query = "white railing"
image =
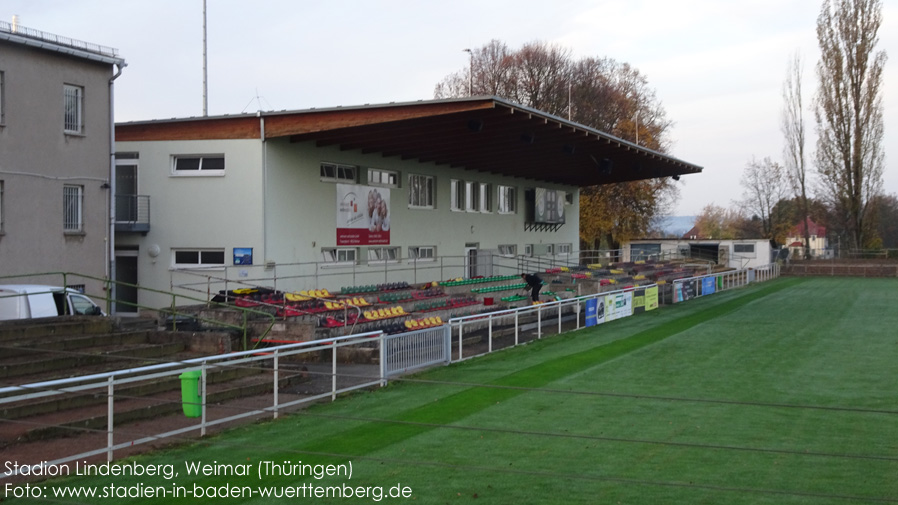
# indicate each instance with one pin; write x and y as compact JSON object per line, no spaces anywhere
{"x":703,"y":285}
{"x":396,"y":354}
{"x":268,"y":359}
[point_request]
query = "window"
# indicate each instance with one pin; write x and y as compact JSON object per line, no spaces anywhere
{"x":196,"y":164}
{"x":72,"y":201}
{"x":485,"y":198}
{"x":333,"y":172}
{"x":339,"y":255}
{"x":528,"y":249}
{"x":508,"y":250}
{"x":422,"y":253}
{"x":2,"y":95}
{"x":381,"y":254}
{"x":744,"y":249}
{"x":74,"y":97}
{"x":198,"y":258}
{"x":456,"y":194}
{"x":387,"y":178}
{"x":420,"y":191}
{"x":563,"y":249}
{"x":472,"y":196}
{"x":550,"y":249}
{"x":507,"y":200}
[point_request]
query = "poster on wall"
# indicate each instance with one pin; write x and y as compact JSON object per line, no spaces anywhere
{"x":363,"y":215}
{"x":243,"y":255}
{"x":548,"y":206}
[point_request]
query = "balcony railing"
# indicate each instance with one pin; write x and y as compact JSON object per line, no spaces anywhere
{"x":132,"y":213}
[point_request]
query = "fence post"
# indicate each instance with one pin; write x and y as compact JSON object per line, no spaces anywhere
{"x":275,"y":365}
{"x":539,"y":321}
{"x":334,"y":371}
{"x":203,"y":397}
{"x":516,"y":312}
{"x":559,"y":318}
{"x":490,"y":343}
{"x":383,"y":355}
{"x":110,"y":409}
{"x":460,"y":331}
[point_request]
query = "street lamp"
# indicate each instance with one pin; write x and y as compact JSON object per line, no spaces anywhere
{"x":470,"y":71}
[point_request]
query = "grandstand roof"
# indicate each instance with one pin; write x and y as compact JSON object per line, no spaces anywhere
{"x":485,"y":134}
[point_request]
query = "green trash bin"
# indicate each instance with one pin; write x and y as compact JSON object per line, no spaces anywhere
{"x":190,"y":393}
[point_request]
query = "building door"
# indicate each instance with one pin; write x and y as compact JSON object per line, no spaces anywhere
{"x":126,"y":282}
{"x":126,"y":190}
{"x":471,"y":260}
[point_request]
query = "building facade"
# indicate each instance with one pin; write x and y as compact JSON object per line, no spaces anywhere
{"x":56,"y":132}
{"x":362,"y":195}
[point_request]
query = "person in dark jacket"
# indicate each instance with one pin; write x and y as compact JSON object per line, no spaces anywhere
{"x":534,"y":283}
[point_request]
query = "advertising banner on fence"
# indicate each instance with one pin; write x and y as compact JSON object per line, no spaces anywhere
{"x":685,"y":290}
{"x":651,"y":298}
{"x":708,"y":286}
{"x":363,"y":215}
{"x":618,"y":305}
{"x":638,"y":300}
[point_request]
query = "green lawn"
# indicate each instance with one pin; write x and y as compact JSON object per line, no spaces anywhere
{"x":783,"y":392}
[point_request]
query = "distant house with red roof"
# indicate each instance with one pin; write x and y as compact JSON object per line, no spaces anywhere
{"x":817,"y":233}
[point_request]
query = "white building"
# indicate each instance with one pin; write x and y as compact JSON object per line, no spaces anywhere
{"x":325,"y":198}
{"x":730,"y":253}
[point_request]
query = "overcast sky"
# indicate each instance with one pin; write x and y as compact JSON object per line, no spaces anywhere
{"x":717,"y":65}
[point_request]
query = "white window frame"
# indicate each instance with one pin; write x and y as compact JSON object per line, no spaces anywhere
{"x":563,"y":249}
{"x":73,"y":109}
{"x":339,"y":256}
{"x":751,"y":253}
{"x":340,"y":172}
{"x":383,"y":178}
{"x":421,"y":191}
{"x":472,"y":197}
{"x":72,"y":208}
{"x":202,"y":261}
{"x":381,"y":255}
{"x":528,"y":250}
{"x":550,"y":249}
{"x":456,"y":195}
{"x":508,"y":250}
{"x":422,"y":253}
{"x":485,"y":203}
{"x":204,"y":159}
{"x":507,"y":199}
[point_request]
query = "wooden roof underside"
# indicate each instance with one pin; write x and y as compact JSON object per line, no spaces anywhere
{"x":479,"y":134}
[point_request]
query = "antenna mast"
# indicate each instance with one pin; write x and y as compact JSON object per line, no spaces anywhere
{"x":205,"y":72}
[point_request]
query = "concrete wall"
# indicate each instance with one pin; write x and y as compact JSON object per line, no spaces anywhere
{"x":37,"y":158}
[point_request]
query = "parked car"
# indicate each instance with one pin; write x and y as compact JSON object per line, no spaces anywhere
{"x":25,"y":301}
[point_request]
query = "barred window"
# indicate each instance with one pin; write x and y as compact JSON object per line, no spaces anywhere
{"x":73,"y":99}
{"x":72,"y":201}
{"x":420,"y":191}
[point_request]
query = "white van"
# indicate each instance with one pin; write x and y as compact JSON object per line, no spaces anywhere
{"x":25,"y":301}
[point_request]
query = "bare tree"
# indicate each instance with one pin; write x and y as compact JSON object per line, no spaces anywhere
{"x":849,"y":112}
{"x":765,"y":184}
{"x":794,"y":135}
{"x":597,"y":92}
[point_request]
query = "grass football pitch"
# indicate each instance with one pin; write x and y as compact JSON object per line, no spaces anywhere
{"x":784,"y":392}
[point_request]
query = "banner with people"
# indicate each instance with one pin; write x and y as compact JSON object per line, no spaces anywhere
{"x":363,"y":215}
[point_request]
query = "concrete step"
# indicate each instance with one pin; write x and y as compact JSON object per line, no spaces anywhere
{"x":30,"y":329}
{"x":70,"y":342}
{"x":131,"y":410}
{"x":60,"y":364}
{"x":71,"y":402}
